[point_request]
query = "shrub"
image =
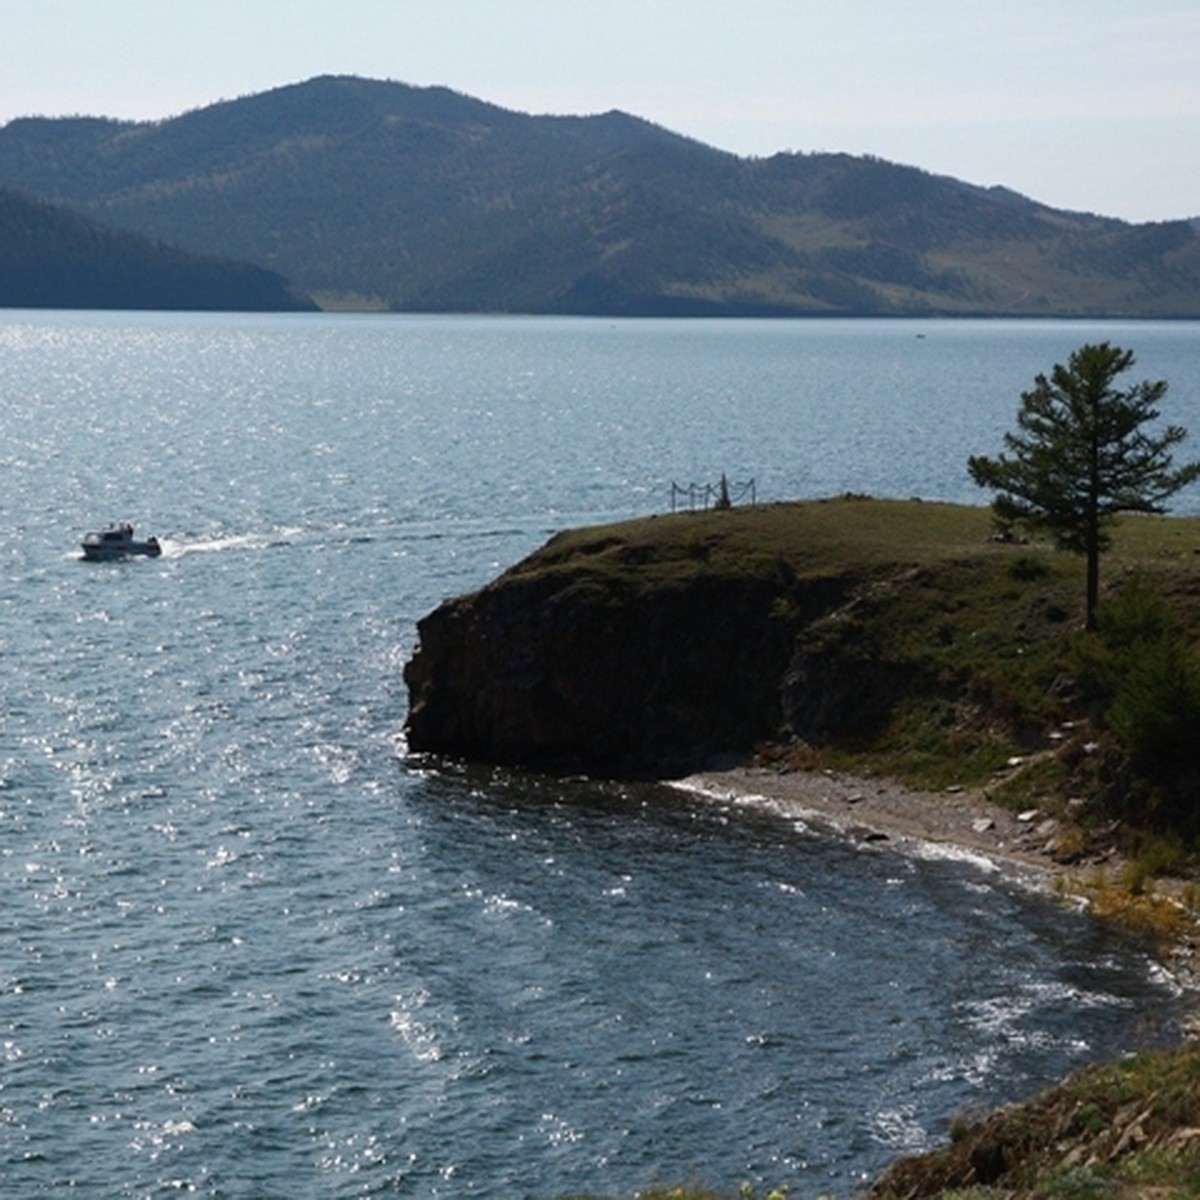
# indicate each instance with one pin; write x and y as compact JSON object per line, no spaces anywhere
{"x":1028,"y":569}
{"x":1155,"y":710}
{"x":1144,"y":672}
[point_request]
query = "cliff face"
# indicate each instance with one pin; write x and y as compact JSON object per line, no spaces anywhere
{"x":563,"y":673}
{"x":604,"y":658}
{"x":669,"y":643}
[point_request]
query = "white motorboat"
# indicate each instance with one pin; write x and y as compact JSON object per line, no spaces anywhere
{"x":117,"y":541}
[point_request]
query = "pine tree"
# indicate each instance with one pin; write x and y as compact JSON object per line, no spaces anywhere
{"x":1081,"y":456}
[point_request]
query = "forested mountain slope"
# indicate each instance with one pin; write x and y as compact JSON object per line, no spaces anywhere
{"x":425,"y":199}
{"x":53,"y":258}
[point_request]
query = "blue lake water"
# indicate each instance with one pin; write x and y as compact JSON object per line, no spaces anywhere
{"x":247,"y":949}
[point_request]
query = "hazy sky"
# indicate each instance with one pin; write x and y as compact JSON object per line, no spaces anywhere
{"x":1085,"y":104}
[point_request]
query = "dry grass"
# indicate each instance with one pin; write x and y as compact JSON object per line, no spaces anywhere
{"x":859,"y":534}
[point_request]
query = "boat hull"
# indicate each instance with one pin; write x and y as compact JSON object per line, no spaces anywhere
{"x":110,"y":545}
{"x":111,"y":554}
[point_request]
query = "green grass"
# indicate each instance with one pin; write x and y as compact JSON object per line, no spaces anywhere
{"x":1123,"y":1130}
{"x":823,"y":535}
{"x":812,"y":539}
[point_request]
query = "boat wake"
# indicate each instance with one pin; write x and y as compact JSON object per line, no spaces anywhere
{"x":180,"y":547}
{"x":345,"y":535}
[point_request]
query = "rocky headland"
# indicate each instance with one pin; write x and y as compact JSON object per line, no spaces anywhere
{"x":885,"y":667}
{"x":672,"y":643}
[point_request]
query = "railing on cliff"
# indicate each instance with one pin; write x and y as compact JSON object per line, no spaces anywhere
{"x":722,"y":494}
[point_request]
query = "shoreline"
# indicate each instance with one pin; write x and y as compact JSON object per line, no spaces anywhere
{"x":960,"y":825}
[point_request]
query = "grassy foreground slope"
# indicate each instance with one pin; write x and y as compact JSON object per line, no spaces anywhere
{"x":1120,"y":1131}
{"x":1128,"y":1130}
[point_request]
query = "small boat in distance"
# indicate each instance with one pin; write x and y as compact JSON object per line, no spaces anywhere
{"x":117,"y":542}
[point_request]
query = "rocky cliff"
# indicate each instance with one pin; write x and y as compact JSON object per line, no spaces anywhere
{"x":669,"y":643}
{"x":570,"y":668}
{"x":648,"y":647}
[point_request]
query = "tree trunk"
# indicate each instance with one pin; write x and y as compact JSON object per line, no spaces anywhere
{"x":1093,"y":584}
{"x":1092,"y":550}
{"x":1093,"y":515}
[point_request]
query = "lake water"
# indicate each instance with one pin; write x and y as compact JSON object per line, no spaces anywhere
{"x":247,"y":949}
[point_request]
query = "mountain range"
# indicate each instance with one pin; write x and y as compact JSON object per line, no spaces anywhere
{"x":366,"y":193}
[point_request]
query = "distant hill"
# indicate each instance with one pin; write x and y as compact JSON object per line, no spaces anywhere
{"x":425,"y":199}
{"x":53,"y":258}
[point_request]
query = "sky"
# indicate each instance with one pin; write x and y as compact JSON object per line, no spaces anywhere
{"x":1090,"y":105}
